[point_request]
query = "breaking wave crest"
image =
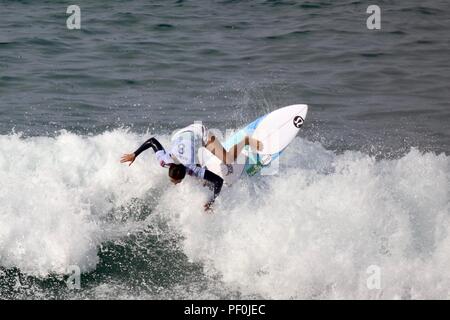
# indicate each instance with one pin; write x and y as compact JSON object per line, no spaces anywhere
{"x":310,"y":231}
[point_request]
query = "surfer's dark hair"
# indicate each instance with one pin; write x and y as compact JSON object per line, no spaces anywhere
{"x":177,"y":171}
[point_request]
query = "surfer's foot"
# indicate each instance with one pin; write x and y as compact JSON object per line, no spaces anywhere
{"x":254,"y":144}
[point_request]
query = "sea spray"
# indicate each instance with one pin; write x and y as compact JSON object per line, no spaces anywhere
{"x":318,"y":227}
{"x":311,"y":231}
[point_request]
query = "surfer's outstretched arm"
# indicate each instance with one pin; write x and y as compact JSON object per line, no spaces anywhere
{"x":229,"y":157}
{"x":150,"y":143}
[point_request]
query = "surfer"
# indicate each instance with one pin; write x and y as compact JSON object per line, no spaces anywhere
{"x":182,"y":159}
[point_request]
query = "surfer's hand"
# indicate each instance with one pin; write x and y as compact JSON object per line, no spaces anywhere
{"x":128,"y":158}
{"x":208,"y":207}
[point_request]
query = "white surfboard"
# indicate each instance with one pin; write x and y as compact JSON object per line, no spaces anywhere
{"x":275,"y":130}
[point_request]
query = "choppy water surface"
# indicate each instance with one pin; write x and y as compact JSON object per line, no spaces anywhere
{"x":366,"y":182}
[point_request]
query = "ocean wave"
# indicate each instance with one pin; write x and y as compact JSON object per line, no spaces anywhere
{"x":310,"y":231}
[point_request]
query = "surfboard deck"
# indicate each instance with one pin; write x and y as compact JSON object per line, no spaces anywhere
{"x":275,"y":130}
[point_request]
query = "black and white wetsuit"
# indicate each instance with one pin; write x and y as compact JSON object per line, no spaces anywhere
{"x":165,"y":160}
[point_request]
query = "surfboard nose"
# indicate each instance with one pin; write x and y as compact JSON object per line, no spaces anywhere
{"x":303,"y":110}
{"x":298,"y":110}
{"x":306,"y":111}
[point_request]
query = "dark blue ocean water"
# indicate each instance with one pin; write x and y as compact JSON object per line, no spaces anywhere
{"x":162,"y":64}
{"x":72,"y":98}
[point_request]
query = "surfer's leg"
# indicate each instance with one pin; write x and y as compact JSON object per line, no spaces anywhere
{"x":229,"y":157}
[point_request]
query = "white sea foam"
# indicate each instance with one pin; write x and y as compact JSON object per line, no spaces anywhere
{"x":56,"y":192}
{"x":309,"y":232}
{"x":314,"y":230}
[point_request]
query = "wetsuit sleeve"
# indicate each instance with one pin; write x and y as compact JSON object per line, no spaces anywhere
{"x":150,"y":143}
{"x":216,"y":181}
